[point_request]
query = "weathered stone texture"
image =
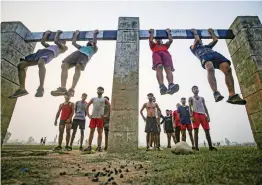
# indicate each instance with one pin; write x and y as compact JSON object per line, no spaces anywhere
{"x":123,"y":136}
{"x":246,"y":54}
{"x":13,"y":47}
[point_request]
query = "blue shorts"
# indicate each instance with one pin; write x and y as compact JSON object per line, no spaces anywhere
{"x":216,"y":58}
{"x":45,"y":54}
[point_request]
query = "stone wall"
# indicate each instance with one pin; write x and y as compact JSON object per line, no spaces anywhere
{"x":246,"y":54}
{"x":123,"y":136}
{"x":13,"y":47}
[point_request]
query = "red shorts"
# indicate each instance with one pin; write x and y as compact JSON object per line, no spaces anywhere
{"x":96,"y":122}
{"x":186,"y":126}
{"x":177,"y":124}
{"x":200,"y":119}
{"x":164,"y":58}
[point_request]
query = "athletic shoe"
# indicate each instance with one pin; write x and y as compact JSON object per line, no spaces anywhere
{"x":218,"y":97}
{"x":59,"y":92}
{"x":18,"y":93}
{"x":57,"y":148}
{"x":163,"y":89}
{"x":212,"y":148}
{"x":81,"y":148}
{"x":39,"y":92}
{"x":89,"y":148}
{"x":172,"y":88}
{"x":235,"y":99}
{"x":71,"y":92}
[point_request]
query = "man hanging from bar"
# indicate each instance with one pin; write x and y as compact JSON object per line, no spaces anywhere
{"x":77,"y":59}
{"x":162,"y":59}
{"x":40,"y":58}
{"x":211,"y":60}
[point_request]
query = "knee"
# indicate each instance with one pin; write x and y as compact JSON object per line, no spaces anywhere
{"x":21,"y":66}
{"x":68,"y":131}
{"x":78,"y":67}
{"x":227,"y":69}
{"x":159,"y":67}
{"x":210,"y":68}
{"x":82,"y":132}
{"x":168,"y":69}
{"x":65,"y":66}
{"x":41,"y":63}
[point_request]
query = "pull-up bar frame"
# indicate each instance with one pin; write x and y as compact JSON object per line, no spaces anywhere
{"x":143,"y":35}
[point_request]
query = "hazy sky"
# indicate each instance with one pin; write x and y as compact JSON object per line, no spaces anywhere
{"x":35,"y":116}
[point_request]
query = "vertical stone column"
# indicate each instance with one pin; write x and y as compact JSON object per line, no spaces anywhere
{"x":13,"y":47}
{"x":246,"y":54}
{"x":123,"y":136}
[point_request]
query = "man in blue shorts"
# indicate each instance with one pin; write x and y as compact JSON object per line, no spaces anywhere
{"x":211,"y":60}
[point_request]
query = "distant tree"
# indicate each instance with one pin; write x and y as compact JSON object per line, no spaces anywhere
{"x":227,"y":142}
{"x":7,"y":137}
{"x":31,"y":140}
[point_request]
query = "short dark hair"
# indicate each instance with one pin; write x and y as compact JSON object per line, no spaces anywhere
{"x":84,"y":94}
{"x":100,"y":87}
{"x":193,"y":87}
{"x":150,"y":94}
{"x":183,"y":98}
{"x":106,"y":98}
{"x":167,"y":110}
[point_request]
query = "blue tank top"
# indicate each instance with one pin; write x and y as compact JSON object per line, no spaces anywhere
{"x":87,"y":50}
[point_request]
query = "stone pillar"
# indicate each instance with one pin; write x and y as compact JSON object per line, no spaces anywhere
{"x":13,"y":47}
{"x":123,"y":134}
{"x":246,"y":54}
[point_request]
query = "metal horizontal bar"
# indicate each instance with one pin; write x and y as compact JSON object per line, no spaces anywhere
{"x":144,"y":35}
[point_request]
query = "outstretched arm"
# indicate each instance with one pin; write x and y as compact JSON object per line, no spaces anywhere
{"x":170,"y":38}
{"x":76,"y":33}
{"x":87,"y":108}
{"x":151,"y":37}
{"x":214,"y":37}
{"x":43,"y":41}
{"x":57,"y":42}
{"x":141,"y":111}
{"x":196,"y":37}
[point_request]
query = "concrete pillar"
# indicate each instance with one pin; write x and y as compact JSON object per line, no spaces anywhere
{"x":123,"y":136}
{"x":246,"y":54}
{"x":13,"y":47}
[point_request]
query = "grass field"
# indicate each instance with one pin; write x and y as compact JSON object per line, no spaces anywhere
{"x":38,"y":165}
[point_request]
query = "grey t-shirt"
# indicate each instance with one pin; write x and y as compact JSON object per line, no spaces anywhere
{"x":201,"y":50}
{"x":80,"y":110}
{"x":198,"y":105}
{"x":98,"y":107}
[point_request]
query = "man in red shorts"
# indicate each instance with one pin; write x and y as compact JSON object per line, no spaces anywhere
{"x":162,"y":59}
{"x":177,"y":124}
{"x":184,"y":116}
{"x":67,"y":111}
{"x":199,"y":115}
{"x":97,"y":118}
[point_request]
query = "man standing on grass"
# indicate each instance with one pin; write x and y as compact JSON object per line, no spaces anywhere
{"x":151,"y":120}
{"x":177,"y":124}
{"x":169,"y":128}
{"x":97,"y":118}
{"x":67,"y":111}
{"x":184,"y":116}
{"x":199,"y":115}
{"x":79,"y":120}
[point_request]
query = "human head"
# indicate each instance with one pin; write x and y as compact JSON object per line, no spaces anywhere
{"x":167,"y":112}
{"x":177,"y":105}
{"x":183,"y":101}
{"x":195,"y":89}
{"x":106,"y":98}
{"x":170,"y":112}
{"x":89,"y":43}
{"x":150,"y":97}
{"x":67,"y":97}
{"x":63,"y":42}
{"x":159,"y":41}
{"x":154,"y":99}
{"x":100,"y":90}
{"x":84,"y":96}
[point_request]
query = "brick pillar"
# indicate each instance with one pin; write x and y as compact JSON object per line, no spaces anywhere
{"x":246,"y":53}
{"x":13,"y":47}
{"x":123,"y":134}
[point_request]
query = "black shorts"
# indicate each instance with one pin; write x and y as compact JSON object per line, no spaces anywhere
{"x":76,"y":58}
{"x":63,"y":122}
{"x":169,"y":131}
{"x":78,"y":122}
{"x":151,"y":125}
{"x":216,"y":58}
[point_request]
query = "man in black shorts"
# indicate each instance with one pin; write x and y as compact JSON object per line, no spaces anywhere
{"x":151,"y":120}
{"x":169,"y":128}
{"x":79,"y":120}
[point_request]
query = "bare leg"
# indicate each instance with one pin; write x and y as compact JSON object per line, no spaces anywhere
{"x":196,"y":137}
{"x":191,"y":138}
{"x":158,"y":139}
{"x":226,"y":69}
{"x":91,"y":136}
{"x":61,"y":133}
{"x":64,"y":74}
{"x":208,"y":138}
{"x":76,"y":75}
{"x":159,"y":74}
{"x":174,"y":137}
{"x":106,"y":139}
{"x":100,"y":136}
{"x":183,"y":132}
{"x":177,"y":133}
{"x":151,"y":139}
{"x":73,"y":137}
{"x":168,"y":140}
{"x":22,"y":66}
{"x":169,"y":75}
{"x":211,"y":76}
{"x":82,"y":137}
{"x":68,"y":129}
{"x":42,"y":72}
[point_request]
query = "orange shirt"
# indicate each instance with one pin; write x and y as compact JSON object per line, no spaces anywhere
{"x":156,"y":47}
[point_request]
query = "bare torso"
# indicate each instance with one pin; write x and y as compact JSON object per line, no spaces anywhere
{"x":150,"y":108}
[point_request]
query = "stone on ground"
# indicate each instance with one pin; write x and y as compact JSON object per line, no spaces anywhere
{"x":182,"y":148}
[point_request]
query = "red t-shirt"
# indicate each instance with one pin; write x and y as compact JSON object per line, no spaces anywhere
{"x":66,"y":111}
{"x":177,"y":119}
{"x":155,"y":47}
